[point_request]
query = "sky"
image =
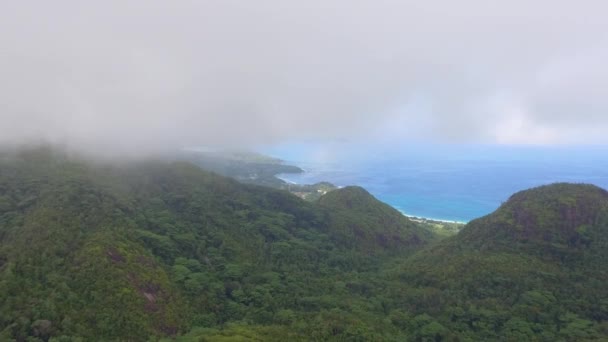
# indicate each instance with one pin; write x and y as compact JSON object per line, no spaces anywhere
{"x":144,"y":75}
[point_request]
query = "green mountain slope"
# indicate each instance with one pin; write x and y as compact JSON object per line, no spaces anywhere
{"x":153,"y":249}
{"x":361,"y":219}
{"x":533,"y":270}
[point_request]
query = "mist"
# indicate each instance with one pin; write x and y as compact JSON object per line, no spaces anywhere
{"x":145,"y":76}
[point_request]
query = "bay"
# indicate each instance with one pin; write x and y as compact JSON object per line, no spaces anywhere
{"x":446,"y":182}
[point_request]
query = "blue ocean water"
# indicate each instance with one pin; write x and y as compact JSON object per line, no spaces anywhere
{"x":454,"y":183}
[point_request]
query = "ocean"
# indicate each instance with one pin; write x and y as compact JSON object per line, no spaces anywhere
{"x":444,"y":182}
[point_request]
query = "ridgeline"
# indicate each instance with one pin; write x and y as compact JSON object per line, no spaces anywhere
{"x":155,"y":250}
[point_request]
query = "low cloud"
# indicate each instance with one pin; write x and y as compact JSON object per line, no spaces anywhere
{"x":155,"y":74}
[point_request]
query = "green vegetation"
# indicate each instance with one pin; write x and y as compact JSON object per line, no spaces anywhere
{"x":441,"y":228}
{"x":246,"y":167}
{"x":165,"y":251}
{"x":257,"y":169}
{"x":153,"y":249}
{"x":533,"y":270}
{"x":309,"y":192}
{"x":369,"y":224}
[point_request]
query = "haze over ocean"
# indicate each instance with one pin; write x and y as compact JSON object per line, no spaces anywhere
{"x":455,"y":183}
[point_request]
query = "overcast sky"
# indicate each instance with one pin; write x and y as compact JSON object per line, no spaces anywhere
{"x":135,"y":74}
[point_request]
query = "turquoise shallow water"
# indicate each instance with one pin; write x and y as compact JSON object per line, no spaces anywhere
{"x":455,"y":183}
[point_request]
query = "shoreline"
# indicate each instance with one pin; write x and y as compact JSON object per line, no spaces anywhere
{"x":416,"y":218}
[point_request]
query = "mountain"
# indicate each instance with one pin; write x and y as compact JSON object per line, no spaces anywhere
{"x":363,"y":220}
{"x":534,"y":269}
{"x":151,"y":249}
{"x":548,"y":217}
{"x":158,"y":250}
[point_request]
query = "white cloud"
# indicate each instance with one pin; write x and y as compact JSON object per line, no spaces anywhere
{"x":149,"y":74}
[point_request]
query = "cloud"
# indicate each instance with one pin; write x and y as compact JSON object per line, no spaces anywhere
{"x":152,"y":74}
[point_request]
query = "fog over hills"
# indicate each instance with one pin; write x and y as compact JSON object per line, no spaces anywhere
{"x":111,"y":229}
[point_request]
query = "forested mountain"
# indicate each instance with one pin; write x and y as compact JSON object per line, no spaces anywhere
{"x":143,"y":249}
{"x":154,"y":250}
{"x":367,"y":222}
{"x":533,"y":270}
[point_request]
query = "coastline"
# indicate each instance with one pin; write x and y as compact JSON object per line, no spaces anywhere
{"x":422,"y":219}
{"x":415,"y":218}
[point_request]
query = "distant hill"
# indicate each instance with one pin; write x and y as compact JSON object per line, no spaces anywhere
{"x":246,"y":167}
{"x":362,"y":219}
{"x":554,"y":216}
{"x":254,"y":168}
